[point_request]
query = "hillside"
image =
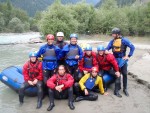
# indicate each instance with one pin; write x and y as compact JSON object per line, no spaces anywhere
{"x":31,"y":6}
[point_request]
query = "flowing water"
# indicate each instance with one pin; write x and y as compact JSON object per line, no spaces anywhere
{"x":12,"y":54}
{"x":17,"y":54}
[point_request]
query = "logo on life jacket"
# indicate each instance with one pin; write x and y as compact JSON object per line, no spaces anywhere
{"x":117,"y":45}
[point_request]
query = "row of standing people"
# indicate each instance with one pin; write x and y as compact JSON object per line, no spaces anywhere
{"x":71,"y":55}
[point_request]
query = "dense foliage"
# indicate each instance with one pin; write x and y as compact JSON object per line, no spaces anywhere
{"x":13,"y":19}
{"x":133,"y":19}
{"x":132,"y":16}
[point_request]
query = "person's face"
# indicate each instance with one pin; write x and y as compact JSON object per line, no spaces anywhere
{"x":60,"y":38}
{"x":101,"y":52}
{"x":94,"y":73}
{"x":32,"y":59}
{"x":115,"y":35}
{"x":73,"y":41}
{"x":88,"y":53}
{"x":50,"y":41}
{"x":61,"y":70}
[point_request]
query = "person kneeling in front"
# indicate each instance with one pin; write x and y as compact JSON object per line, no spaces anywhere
{"x":88,"y":85}
{"x":60,"y":87}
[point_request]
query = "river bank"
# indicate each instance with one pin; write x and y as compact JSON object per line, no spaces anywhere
{"x":137,"y":102}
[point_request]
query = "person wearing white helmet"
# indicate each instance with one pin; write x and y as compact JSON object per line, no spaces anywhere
{"x":60,"y":43}
{"x":60,"y":40}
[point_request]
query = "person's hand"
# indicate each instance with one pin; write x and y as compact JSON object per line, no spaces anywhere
{"x":107,"y":52}
{"x":86,"y":92}
{"x":77,"y":57}
{"x":61,"y":86}
{"x":58,"y":88}
{"x":106,"y":93}
{"x":117,"y":74}
{"x":30,"y":83}
{"x":35,"y":82}
{"x":126,"y":58}
{"x":85,"y":72}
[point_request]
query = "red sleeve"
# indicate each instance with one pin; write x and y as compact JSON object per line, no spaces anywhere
{"x":69,"y":81}
{"x":51,"y":82}
{"x":40,"y":76}
{"x":113,"y":61}
{"x":81,"y":65}
{"x":25,"y":72}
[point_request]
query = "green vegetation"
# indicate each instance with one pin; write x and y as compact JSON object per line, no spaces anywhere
{"x":133,"y":19}
{"x":12,"y":19}
{"x":132,"y":16}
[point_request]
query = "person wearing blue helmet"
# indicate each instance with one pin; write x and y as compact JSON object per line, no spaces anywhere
{"x":88,"y":61}
{"x":72,"y":53}
{"x":108,"y":64}
{"x":119,"y":46}
{"x":32,"y":72}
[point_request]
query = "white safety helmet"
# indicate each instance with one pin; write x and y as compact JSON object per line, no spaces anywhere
{"x":60,"y":34}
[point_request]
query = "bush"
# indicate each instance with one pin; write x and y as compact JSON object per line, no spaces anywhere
{"x":15,"y":25}
{"x":58,"y":18}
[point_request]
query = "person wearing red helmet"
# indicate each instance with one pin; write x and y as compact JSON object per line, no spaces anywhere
{"x":88,"y":84}
{"x":32,"y":72}
{"x":50,"y":54}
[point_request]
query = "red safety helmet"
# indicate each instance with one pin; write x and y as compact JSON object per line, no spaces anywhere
{"x":50,"y":37}
{"x":95,"y":69}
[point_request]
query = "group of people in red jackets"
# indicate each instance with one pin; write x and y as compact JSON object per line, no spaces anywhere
{"x":66,"y":70}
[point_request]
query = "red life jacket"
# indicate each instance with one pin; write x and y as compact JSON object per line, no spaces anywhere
{"x":33,"y":71}
{"x":103,"y":63}
{"x":59,"y":79}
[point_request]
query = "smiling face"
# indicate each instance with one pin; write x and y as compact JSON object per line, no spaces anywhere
{"x":50,"y":41}
{"x":61,"y":70}
{"x":94,"y":73}
{"x":33,"y":59}
{"x":101,"y":52}
{"x":88,"y":53}
{"x":73,"y":40}
{"x":115,"y":36}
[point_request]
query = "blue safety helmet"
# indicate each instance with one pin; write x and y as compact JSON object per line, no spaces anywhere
{"x":88,"y":48}
{"x":100,"y":48}
{"x":32,"y":54}
{"x":74,"y":36}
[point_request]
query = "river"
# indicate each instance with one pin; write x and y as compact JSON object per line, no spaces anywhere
{"x":17,"y":54}
{"x":13,"y":54}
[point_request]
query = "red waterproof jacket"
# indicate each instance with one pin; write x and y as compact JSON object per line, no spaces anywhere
{"x":32,"y":71}
{"x":94,"y":62}
{"x":107,"y":61}
{"x":56,"y":79}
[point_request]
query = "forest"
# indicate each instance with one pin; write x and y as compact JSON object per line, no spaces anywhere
{"x":132,"y":17}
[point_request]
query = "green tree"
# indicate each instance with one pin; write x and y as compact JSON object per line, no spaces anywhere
{"x":83,"y":13}
{"x":58,"y":18}
{"x":16,"y":25}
